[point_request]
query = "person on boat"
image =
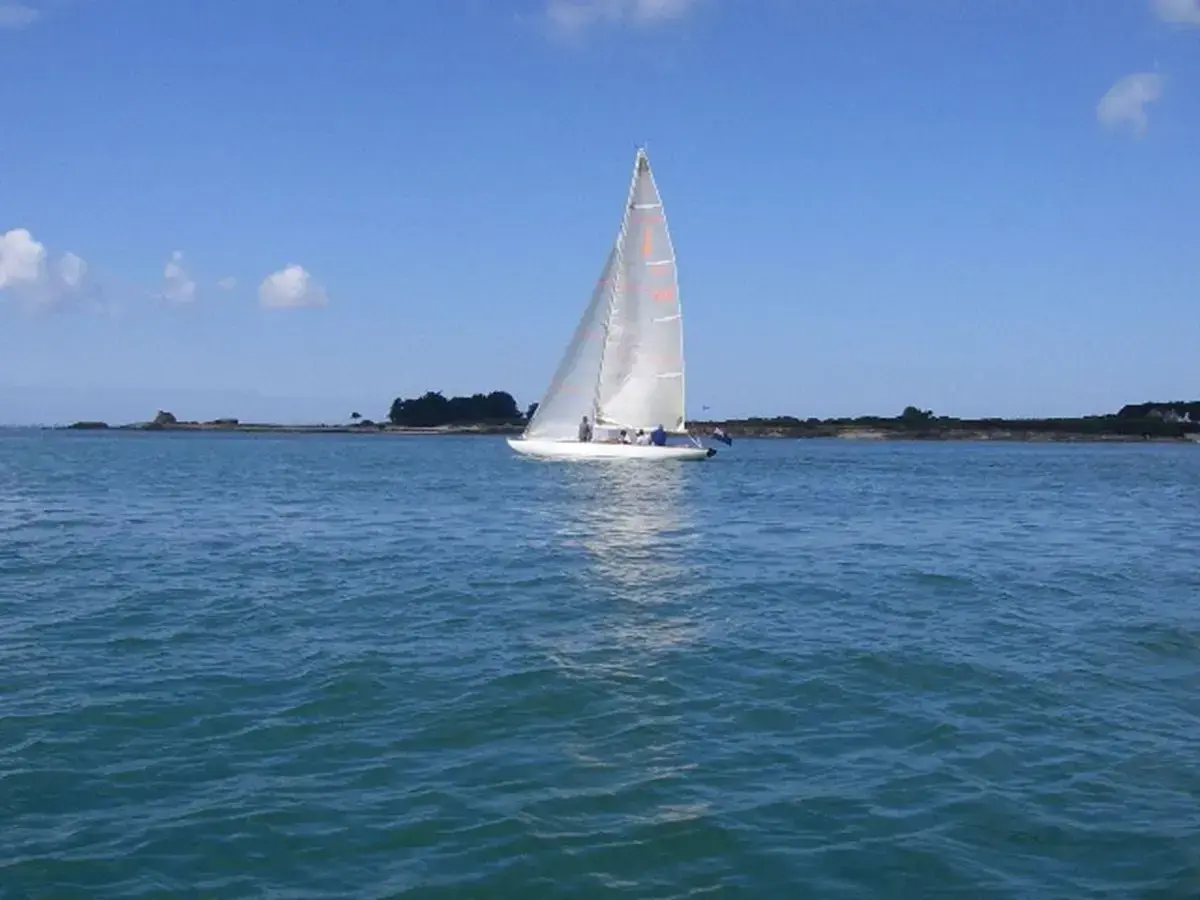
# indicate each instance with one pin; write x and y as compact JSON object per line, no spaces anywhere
{"x":642,"y":438}
{"x":585,"y":430}
{"x":658,"y":437}
{"x":624,"y":436}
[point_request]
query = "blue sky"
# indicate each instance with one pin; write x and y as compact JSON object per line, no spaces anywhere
{"x":295,"y":210}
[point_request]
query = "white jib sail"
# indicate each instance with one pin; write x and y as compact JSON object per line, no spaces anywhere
{"x":572,"y":391}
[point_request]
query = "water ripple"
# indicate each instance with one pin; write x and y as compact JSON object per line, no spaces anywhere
{"x":329,"y":667}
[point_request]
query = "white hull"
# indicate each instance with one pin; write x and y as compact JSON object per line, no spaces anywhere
{"x":597,"y":450}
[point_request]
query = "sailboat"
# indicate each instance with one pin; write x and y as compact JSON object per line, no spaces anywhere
{"x":623,"y":368}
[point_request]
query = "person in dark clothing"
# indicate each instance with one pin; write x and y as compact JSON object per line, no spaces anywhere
{"x":585,"y":430}
{"x":658,"y":437}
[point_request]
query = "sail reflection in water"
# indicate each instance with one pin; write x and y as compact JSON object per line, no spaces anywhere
{"x":636,"y":524}
{"x":638,"y":529}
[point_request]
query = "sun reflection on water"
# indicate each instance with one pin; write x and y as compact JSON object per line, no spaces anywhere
{"x":637,"y":526}
{"x":636,"y":523}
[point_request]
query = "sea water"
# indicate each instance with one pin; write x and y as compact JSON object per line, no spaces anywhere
{"x":372,"y":666}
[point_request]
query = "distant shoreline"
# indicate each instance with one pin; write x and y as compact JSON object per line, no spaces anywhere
{"x":271,"y":428}
{"x":497,"y":413}
{"x":926,"y":427}
{"x":997,"y":435}
{"x":1011,"y":431}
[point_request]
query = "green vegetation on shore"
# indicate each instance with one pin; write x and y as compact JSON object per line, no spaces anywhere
{"x":498,"y":413}
{"x":1176,"y":420}
{"x":432,"y":410}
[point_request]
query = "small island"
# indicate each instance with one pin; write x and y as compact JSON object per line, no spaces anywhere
{"x":431,"y":413}
{"x":497,"y":413}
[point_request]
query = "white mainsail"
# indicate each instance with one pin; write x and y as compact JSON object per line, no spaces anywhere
{"x":624,"y":365}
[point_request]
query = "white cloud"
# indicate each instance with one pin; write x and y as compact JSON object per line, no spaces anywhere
{"x":71,"y":269}
{"x":1180,"y":12}
{"x":24,"y":271}
{"x":227,"y":284}
{"x":178,"y":287}
{"x":290,"y":287}
{"x":659,"y":10}
{"x":571,"y":17}
{"x":17,"y":15}
{"x":22,"y":259}
{"x":1124,"y":106}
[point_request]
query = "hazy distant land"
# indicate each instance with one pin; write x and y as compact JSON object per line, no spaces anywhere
{"x":497,"y":413}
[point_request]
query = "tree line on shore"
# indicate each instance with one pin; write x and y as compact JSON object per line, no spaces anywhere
{"x":432,"y":409}
{"x":499,"y":410}
{"x":1174,"y":419}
